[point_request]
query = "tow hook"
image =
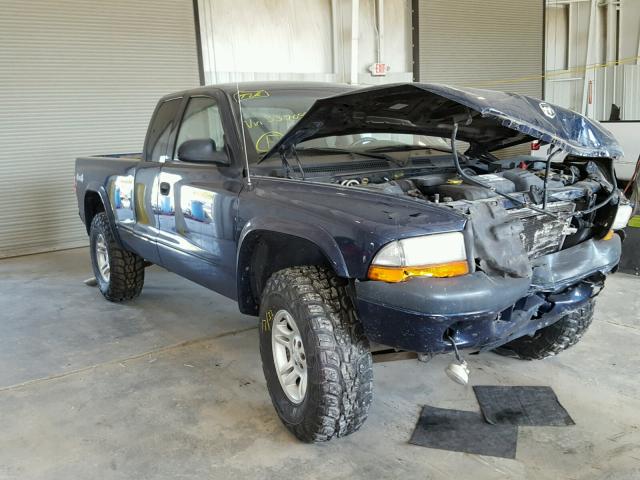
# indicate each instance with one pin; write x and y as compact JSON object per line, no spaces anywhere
{"x":458,"y":371}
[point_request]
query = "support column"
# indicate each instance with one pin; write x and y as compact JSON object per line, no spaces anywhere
{"x":355,"y":33}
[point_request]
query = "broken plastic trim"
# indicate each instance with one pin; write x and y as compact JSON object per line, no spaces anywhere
{"x":468,"y":178}
{"x":614,"y":193}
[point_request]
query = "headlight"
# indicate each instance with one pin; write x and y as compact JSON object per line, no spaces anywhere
{"x":439,"y":255}
{"x":622,"y":216}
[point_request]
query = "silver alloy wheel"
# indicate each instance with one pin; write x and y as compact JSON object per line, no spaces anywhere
{"x":289,"y":357}
{"x":102,"y":258}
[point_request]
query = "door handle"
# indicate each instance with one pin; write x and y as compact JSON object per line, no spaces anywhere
{"x":165,"y":188}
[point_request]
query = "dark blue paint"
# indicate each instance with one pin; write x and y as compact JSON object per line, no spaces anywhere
{"x":482,"y":311}
{"x":487,"y":329}
{"x":487,"y":119}
{"x":349,"y":226}
{"x":199,"y":228}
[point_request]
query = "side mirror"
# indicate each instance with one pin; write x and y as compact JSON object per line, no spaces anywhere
{"x":201,"y":151}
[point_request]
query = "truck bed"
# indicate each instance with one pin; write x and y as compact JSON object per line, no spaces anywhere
{"x":105,"y":175}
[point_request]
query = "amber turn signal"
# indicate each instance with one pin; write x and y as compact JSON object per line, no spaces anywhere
{"x":608,"y":236}
{"x":400,"y":274}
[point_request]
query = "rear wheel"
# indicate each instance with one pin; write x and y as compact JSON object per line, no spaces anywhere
{"x":119,"y":273}
{"x":315,"y":356}
{"x":551,"y":340}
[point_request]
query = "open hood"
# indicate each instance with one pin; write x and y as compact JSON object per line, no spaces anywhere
{"x":488,"y":120}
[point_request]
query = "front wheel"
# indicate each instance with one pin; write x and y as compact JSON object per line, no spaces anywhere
{"x":551,"y":340}
{"x":315,"y":356}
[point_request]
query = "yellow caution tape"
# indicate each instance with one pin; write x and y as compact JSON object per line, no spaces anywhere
{"x":557,"y":73}
{"x":635,"y":222}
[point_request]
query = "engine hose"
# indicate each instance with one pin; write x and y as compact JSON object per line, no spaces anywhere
{"x":613,"y":193}
{"x":469,"y":179}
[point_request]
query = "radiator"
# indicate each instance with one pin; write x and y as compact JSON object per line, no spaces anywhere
{"x":543,"y":234}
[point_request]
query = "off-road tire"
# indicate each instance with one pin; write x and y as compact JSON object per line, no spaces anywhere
{"x":126,"y":268}
{"x":551,"y":340}
{"x":339,"y":365}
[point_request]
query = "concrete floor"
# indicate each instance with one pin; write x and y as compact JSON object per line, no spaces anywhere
{"x":170,"y":386}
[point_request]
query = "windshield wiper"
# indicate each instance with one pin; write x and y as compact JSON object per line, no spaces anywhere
{"x":344,"y":151}
{"x":287,"y":166}
{"x":405,"y":148}
{"x":295,"y":155}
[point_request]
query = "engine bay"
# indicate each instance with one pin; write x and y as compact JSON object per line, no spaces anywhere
{"x":506,"y":199}
{"x":521,"y":175}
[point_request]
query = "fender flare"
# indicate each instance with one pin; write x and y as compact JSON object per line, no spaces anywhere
{"x":312,"y":233}
{"x":104,"y":198}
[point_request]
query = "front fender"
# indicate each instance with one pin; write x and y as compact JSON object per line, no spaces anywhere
{"x":313,"y":233}
{"x":348,"y":225}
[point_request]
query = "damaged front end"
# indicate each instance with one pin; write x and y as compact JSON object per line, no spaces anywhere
{"x":540,"y":234}
{"x":563,"y":245}
{"x":509,"y":235}
{"x":532,"y":264}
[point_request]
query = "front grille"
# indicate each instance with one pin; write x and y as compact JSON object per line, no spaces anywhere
{"x":541,"y":233}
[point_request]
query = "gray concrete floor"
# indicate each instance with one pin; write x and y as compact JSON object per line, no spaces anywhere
{"x":170,"y":386}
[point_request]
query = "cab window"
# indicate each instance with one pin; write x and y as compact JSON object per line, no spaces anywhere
{"x":201,"y":121}
{"x":158,"y":137}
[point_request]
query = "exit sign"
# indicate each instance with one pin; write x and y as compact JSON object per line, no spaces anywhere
{"x":379,"y":69}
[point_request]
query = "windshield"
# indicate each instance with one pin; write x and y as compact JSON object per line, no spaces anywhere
{"x":267,"y":116}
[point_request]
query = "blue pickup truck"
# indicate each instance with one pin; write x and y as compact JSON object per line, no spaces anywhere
{"x":340,"y":216}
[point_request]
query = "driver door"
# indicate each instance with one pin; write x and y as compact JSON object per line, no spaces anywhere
{"x":198,"y":201}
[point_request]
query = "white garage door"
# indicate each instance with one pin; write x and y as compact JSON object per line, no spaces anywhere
{"x":495,"y":44}
{"x":77,"y":78}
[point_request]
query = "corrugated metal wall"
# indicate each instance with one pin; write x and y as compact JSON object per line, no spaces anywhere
{"x":493,"y":44}
{"x":78,"y":78}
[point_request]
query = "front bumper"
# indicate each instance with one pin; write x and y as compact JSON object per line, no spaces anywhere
{"x":481,"y":311}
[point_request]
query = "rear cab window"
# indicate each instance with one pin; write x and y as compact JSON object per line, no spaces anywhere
{"x":160,"y":130}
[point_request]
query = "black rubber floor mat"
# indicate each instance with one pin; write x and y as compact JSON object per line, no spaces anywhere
{"x":461,"y":431}
{"x":524,"y":406}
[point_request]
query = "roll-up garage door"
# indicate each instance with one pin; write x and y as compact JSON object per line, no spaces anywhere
{"x":78,"y":78}
{"x":495,"y":44}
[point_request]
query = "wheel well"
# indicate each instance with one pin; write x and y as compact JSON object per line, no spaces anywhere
{"x":92,"y":206}
{"x":264,"y":253}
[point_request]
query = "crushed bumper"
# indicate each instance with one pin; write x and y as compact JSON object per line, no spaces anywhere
{"x":480,"y":311}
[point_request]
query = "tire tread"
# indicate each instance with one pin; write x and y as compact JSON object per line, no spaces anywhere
{"x":551,"y":340}
{"x":127,"y":269}
{"x":344,"y":359}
